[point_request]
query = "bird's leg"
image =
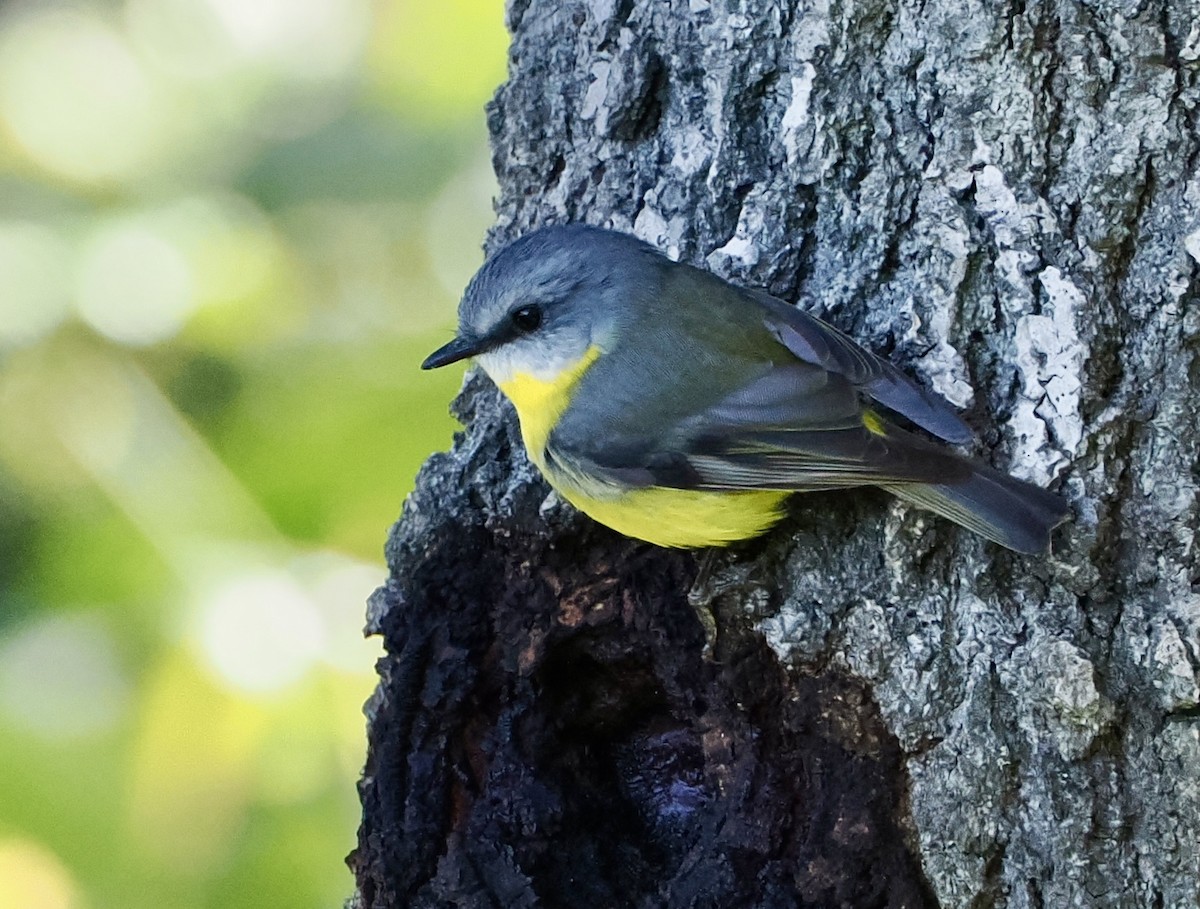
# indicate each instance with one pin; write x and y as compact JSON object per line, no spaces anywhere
{"x":704,"y":591}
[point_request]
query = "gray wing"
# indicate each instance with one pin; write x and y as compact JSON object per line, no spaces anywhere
{"x":819,"y":343}
{"x":794,"y":427}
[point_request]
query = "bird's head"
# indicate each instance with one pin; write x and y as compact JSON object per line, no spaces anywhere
{"x":539,"y":305}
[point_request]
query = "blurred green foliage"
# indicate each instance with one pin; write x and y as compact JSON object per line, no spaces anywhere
{"x":229,"y":232}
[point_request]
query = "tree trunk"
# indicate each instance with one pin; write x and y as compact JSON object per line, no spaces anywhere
{"x":1004,"y":199}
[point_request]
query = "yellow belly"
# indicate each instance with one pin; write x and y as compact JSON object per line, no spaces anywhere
{"x":679,"y":518}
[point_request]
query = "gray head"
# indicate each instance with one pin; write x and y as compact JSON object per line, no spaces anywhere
{"x":538,"y":305}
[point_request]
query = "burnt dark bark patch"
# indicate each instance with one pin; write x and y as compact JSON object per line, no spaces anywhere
{"x":550,"y":732}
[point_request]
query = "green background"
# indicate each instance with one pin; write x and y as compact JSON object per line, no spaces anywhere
{"x":229,"y":232}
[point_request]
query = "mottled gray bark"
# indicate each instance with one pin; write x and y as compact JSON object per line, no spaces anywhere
{"x":1003,"y":198}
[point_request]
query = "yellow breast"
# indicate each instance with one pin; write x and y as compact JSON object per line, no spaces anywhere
{"x":681,"y":518}
{"x":540,"y":403}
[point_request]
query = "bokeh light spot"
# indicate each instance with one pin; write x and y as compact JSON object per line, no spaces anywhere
{"x":66,"y":80}
{"x":33,"y":877}
{"x":314,"y":37}
{"x":34,"y":282}
{"x":60,"y":678}
{"x":261,"y":632}
{"x":135,"y":286}
{"x":181,"y":37}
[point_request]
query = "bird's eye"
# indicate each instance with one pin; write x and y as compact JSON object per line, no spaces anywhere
{"x":527,"y":318}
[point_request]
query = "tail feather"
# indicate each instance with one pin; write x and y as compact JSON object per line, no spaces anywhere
{"x":1001,"y":508}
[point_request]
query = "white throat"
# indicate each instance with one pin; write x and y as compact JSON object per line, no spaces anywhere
{"x":507,"y":362}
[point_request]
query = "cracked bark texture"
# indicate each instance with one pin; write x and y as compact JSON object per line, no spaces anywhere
{"x":1004,"y":199}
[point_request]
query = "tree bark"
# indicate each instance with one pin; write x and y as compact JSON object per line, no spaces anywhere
{"x":1004,"y":199}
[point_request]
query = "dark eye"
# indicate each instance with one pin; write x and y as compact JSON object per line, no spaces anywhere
{"x":527,"y":318}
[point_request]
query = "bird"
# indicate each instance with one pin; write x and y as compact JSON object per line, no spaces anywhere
{"x":682,"y":410}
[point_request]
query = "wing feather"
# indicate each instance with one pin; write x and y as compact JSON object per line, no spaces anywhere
{"x":819,"y":343}
{"x":795,"y":427}
{"x":820,"y":459}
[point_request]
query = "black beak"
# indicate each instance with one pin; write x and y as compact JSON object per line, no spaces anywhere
{"x":458,"y":349}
